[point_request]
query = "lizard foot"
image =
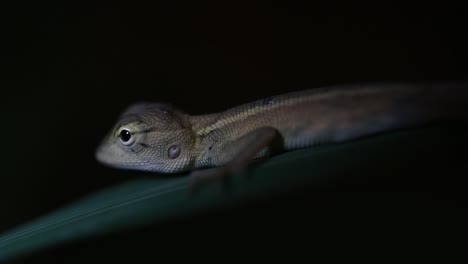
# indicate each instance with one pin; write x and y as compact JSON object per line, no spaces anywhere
{"x":200,"y":177}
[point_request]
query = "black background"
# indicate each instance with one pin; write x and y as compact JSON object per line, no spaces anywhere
{"x":69,"y":68}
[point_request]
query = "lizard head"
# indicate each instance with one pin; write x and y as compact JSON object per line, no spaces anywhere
{"x":149,"y":137}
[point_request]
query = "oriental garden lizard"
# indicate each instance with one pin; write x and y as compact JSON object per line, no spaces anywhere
{"x":158,"y":137}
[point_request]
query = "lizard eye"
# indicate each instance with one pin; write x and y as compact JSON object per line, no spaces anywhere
{"x":126,"y":136}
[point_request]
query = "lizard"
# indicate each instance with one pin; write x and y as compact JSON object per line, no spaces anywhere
{"x":159,"y":137}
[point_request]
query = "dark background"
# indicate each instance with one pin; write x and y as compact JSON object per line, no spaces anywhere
{"x":69,"y":68}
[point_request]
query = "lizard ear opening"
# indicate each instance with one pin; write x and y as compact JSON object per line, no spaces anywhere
{"x":173,"y":151}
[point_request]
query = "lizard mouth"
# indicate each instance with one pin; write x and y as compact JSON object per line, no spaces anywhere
{"x":108,"y":158}
{"x":140,"y":165}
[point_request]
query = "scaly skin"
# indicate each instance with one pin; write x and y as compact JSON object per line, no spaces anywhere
{"x":164,"y":139}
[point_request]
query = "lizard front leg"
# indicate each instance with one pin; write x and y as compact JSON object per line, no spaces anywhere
{"x":241,"y":152}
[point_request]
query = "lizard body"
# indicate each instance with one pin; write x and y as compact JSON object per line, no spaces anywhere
{"x":159,"y":137}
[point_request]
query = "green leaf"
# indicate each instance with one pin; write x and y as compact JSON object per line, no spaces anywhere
{"x":149,"y":201}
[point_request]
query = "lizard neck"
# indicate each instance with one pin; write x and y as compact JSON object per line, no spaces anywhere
{"x":201,"y":144}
